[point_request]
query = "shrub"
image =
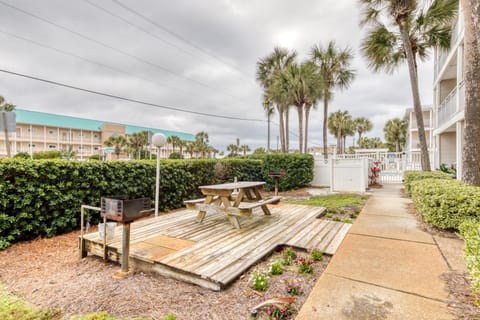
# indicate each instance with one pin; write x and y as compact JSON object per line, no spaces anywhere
{"x":446,"y":203}
{"x":304,"y":265}
{"x":47,"y":155}
{"x":259,"y":280}
{"x":277,"y":312}
{"x":316,"y":255}
{"x":275,"y":268}
{"x":287,"y":256}
{"x":410,"y":176}
{"x":292,"y":286}
{"x":175,"y":155}
{"x":22,"y":155}
{"x":470,"y":231}
{"x":95,"y":157}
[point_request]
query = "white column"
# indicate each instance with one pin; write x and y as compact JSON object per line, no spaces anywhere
{"x":81,"y":144}
{"x":31,"y":141}
{"x":459,"y":74}
{"x":45,"y":138}
{"x":459,"y":143}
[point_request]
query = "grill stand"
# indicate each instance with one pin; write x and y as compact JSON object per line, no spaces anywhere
{"x":124,"y":271}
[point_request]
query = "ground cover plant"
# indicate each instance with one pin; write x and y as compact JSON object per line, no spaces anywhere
{"x":14,"y":308}
{"x":343,"y":207}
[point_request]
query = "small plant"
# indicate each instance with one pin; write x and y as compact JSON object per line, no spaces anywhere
{"x":329,"y":215}
{"x":347,"y":220}
{"x":374,"y":172}
{"x":336,"y":219}
{"x":259,"y":280}
{"x":287,"y":256}
{"x":170,"y":316}
{"x":316,"y":255}
{"x":357,"y":210}
{"x":353,"y":215}
{"x":304,"y":265}
{"x":275,"y":268}
{"x":277,"y":312}
{"x":292,"y":286}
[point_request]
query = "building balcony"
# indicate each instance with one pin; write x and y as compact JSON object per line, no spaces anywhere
{"x":451,"y":105}
{"x":442,"y":56}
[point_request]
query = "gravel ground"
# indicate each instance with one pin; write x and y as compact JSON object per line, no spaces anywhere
{"x":49,"y":273}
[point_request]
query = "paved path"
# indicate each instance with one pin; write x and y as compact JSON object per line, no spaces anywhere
{"x":386,"y":268}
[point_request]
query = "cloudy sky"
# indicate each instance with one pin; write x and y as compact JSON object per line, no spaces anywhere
{"x":194,"y":55}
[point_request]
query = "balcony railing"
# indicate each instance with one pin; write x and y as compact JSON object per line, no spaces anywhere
{"x":442,"y":55}
{"x":449,"y":108}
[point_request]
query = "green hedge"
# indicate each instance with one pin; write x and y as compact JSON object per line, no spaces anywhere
{"x":470,"y":231}
{"x":43,"y":197}
{"x":411,"y":176}
{"x":445,"y":203}
{"x":298,"y":168}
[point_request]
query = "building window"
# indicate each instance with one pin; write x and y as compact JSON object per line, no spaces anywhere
{"x":95,"y":148}
{"x":80,"y":134}
{"x":50,"y":131}
{"x":95,"y":136}
{"x":52,"y":146}
{"x":80,"y":147}
{"x":31,"y":129}
{"x":31,"y":145}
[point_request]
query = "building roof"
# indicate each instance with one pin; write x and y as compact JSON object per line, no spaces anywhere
{"x":56,"y":120}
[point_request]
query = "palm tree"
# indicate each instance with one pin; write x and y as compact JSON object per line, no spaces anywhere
{"x":395,"y":133}
{"x":269,"y":110}
{"x":136,"y":142}
{"x":408,"y":33}
{"x":314,"y":89}
{"x":338,"y":125}
{"x":267,"y":68}
{"x":233,"y":149}
{"x":181,"y":144}
{"x":117,"y":142}
{"x":334,"y":69}
{"x":190,"y":148}
{"x":471,"y":145}
{"x":6,"y":107}
{"x":201,"y":142}
{"x":348,"y":130}
{"x":362,"y":125}
{"x":371,"y":143}
{"x":174,"y":141}
{"x":244,"y":148}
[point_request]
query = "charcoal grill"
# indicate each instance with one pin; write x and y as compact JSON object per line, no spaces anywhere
{"x":123,"y":210}
{"x":276,"y":174}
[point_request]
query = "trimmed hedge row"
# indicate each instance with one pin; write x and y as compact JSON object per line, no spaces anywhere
{"x":446,"y":203}
{"x":411,"y":176}
{"x":43,"y":197}
{"x":470,"y":231}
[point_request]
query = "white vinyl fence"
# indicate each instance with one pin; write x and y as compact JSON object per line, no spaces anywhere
{"x":346,"y":175}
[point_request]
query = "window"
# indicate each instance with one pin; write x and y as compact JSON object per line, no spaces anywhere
{"x":31,"y":129}
{"x":50,"y":132}
{"x":80,"y":147}
{"x":80,"y":134}
{"x":95,"y":148}
{"x":31,"y":145}
{"x":95,"y":136}
{"x":52,"y":146}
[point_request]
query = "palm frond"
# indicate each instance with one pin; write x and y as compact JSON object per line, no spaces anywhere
{"x":381,"y":48}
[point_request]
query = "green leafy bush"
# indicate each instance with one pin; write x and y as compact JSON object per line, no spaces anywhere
{"x":410,"y":176}
{"x":275,"y":267}
{"x":175,"y":155}
{"x":316,"y":255}
{"x":22,"y":155}
{"x":470,"y":231}
{"x":298,"y":169}
{"x":259,"y":280}
{"x":445,"y":203}
{"x":47,"y":155}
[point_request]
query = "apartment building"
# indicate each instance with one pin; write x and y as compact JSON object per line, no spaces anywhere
{"x":412,"y":142}
{"x":448,"y":106}
{"x":40,"y":131}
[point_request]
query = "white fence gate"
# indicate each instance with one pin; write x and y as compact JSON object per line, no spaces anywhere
{"x":348,"y":175}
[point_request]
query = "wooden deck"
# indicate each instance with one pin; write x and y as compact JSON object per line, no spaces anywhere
{"x":213,"y":254}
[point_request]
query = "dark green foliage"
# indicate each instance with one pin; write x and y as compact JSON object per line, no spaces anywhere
{"x":95,"y":157}
{"x":175,"y":155}
{"x":470,"y":231}
{"x":243,"y":169}
{"x":298,"y":168}
{"x":47,"y":155}
{"x":411,"y":176}
{"x":22,"y":155}
{"x":446,"y":203}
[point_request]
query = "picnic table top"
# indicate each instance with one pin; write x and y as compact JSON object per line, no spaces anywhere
{"x":234,"y":185}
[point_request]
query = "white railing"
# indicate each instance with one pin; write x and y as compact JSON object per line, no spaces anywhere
{"x":447,"y":108}
{"x":461,"y":96}
{"x":442,"y":55}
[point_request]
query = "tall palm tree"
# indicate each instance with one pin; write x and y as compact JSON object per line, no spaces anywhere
{"x":136,"y":142}
{"x":314,"y":90}
{"x":233,"y":149}
{"x":174,"y":141}
{"x":334,"y":69}
{"x":471,"y":145}
{"x":269,"y":111}
{"x":395,"y":133}
{"x":348,"y":130}
{"x":6,"y":107}
{"x":117,"y":142}
{"x":362,"y":125}
{"x":244,"y":148}
{"x":402,"y":30}
{"x":267,"y":67}
{"x":181,"y":144}
{"x":371,"y":143}
{"x":190,"y":148}
{"x":338,"y":125}
{"x":201,"y":142}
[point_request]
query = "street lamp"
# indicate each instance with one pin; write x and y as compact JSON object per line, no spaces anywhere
{"x":159,"y":141}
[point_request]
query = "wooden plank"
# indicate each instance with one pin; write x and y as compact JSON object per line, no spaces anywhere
{"x":301,"y":239}
{"x":333,"y":246}
{"x":325,"y":241}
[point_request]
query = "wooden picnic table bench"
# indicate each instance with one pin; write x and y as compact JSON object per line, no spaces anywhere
{"x":219,"y":199}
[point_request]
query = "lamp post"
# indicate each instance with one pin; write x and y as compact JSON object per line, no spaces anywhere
{"x":158,"y":140}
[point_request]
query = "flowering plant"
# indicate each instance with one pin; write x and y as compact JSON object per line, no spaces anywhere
{"x":374,"y":172}
{"x":279,"y":312}
{"x":304,"y":265}
{"x":293,"y":287}
{"x":259,"y":280}
{"x":288,"y":255}
{"x":275,"y":267}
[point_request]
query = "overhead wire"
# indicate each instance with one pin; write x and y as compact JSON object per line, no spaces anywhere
{"x":115,"y":49}
{"x":60,"y":84}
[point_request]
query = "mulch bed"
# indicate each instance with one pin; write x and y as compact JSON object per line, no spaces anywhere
{"x":49,"y":273}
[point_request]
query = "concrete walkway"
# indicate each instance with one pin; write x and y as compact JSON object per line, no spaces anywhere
{"x":386,"y":268}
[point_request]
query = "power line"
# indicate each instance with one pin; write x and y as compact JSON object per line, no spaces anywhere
{"x":128,"y":99}
{"x":180,"y":37}
{"x":114,"y":49}
{"x":93,"y":62}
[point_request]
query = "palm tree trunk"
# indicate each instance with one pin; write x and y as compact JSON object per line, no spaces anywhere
{"x":300,"y":127}
{"x":475,"y":14}
{"x":359,"y":137}
{"x":339,"y":141}
{"x":307,"y":114}
{"x":397,"y":145}
{"x":281,"y":128}
{"x":417,"y":106}
{"x":7,"y":142}
{"x":344,"y":144}
{"x":287,"y":129}
{"x":325,"y":120}
{"x":471,"y":147}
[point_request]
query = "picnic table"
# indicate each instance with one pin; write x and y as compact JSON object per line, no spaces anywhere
{"x":224,"y":199}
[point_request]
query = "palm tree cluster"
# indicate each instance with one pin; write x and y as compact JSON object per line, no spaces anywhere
{"x":395,"y":134}
{"x":404,"y":31}
{"x":287,"y":83}
{"x":235,"y":149}
{"x":341,"y":124}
